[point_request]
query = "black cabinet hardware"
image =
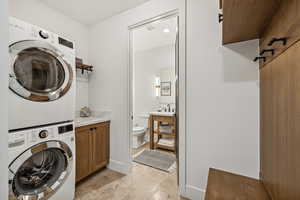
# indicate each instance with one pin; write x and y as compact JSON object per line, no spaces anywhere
{"x":260,"y":58}
{"x":267,"y":50}
{"x":220,"y":18}
{"x":283,"y":40}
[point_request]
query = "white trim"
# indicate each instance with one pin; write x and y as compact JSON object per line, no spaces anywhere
{"x":119,"y":167}
{"x":182,"y":91}
{"x":147,"y":21}
{"x":194,"y":193}
{"x":182,"y":100}
{"x":4,"y":57}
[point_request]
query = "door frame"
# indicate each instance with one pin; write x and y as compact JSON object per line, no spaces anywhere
{"x":180,"y":93}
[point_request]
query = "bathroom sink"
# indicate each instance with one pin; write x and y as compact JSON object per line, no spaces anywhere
{"x":163,"y":113}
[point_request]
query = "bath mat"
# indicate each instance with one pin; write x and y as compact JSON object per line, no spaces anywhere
{"x":156,"y":159}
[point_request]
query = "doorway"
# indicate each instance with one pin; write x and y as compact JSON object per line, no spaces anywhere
{"x":154,"y":98}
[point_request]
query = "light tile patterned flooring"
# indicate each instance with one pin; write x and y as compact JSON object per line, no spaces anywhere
{"x":144,"y":183}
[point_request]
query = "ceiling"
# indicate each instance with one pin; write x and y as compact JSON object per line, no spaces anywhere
{"x":90,"y":12}
{"x":154,"y":35}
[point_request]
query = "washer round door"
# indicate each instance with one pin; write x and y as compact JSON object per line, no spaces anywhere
{"x":38,"y":71}
{"x":39,"y":172}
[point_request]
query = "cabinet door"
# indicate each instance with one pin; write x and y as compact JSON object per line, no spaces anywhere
{"x":83,"y":153}
{"x":100,"y":146}
{"x":280,"y":138}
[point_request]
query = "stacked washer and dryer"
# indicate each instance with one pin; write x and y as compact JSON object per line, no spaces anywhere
{"x":41,"y":114}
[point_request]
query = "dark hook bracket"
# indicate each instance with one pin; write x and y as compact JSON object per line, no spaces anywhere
{"x":260,"y":58}
{"x":267,"y":50}
{"x":283,"y":40}
{"x":220,"y":18}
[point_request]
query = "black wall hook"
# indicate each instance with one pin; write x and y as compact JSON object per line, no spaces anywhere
{"x":267,"y":50}
{"x":220,"y":18}
{"x":260,"y":58}
{"x":283,"y":40}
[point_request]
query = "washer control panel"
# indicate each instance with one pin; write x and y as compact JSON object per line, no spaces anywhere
{"x":65,"y":129}
{"x":16,"y":140}
{"x":40,"y":134}
{"x":30,"y":137}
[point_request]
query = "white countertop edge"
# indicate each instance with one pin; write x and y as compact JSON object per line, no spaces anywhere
{"x":166,"y":114}
{"x":79,"y":122}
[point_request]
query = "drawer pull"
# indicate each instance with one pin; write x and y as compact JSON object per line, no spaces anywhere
{"x":283,"y":40}
{"x":220,"y":18}
{"x":267,"y":50}
{"x":260,"y":58}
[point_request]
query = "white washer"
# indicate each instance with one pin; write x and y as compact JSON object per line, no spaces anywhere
{"x":41,"y":77}
{"x":42,"y":163}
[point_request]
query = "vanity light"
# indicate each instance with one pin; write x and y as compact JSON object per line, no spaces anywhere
{"x":157,"y":86}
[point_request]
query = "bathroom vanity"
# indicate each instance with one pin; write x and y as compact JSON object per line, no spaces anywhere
{"x":157,"y":122}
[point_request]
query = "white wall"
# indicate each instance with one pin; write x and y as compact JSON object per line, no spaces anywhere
{"x":35,"y":12}
{"x":222,"y":100}
{"x":149,"y":64}
{"x":3,"y":99}
{"x":109,"y":84}
{"x":169,"y":75}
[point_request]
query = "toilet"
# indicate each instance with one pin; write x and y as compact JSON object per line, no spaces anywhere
{"x":139,"y":130}
{"x":138,"y":136}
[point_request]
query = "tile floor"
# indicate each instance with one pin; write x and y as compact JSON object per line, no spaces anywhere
{"x":147,"y":146}
{"x":144,"y":183}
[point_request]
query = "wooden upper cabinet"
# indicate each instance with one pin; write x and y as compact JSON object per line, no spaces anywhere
{"x":100,"y":146}
{"x":246,"y":19}
{"x":284,"y":24}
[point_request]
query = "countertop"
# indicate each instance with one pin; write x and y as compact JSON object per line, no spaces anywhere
{"x":85,"y":121}
{"x":166,"y":114}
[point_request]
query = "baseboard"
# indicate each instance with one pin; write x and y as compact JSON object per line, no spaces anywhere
{"x":194,"y":193}
{"x":118,"y":166}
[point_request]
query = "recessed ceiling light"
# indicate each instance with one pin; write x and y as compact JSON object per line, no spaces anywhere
{"x":166,"y":30}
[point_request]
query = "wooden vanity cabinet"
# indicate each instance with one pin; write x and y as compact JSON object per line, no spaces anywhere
{"x":92,"y":149}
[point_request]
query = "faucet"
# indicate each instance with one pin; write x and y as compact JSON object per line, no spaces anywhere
{"x":169,"y":108}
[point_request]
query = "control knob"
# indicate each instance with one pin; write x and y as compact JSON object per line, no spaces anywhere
{"x":44,"y":34}
{"x":43,"y":134}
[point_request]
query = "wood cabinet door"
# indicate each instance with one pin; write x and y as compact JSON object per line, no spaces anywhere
{"x":100,"y":146}
{"x":280,"y":127}
{"x":83,"y":153}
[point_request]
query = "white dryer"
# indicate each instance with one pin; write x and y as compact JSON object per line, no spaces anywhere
{"x":41,"y":77}
{"x":42,"y":163}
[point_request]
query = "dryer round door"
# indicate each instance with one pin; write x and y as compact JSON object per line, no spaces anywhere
{"x":38,"y":71}
{"x":39,"y":172}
